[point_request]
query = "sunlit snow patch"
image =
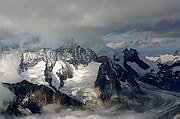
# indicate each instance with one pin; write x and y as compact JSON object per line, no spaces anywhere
{"x":81,"y":86}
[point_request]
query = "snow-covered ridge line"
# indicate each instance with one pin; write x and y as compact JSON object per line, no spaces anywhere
{"x":46,"y":60}
{"x":164,"y":59}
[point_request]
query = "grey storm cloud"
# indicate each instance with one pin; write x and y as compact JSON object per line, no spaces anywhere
{"x":83,"y":20}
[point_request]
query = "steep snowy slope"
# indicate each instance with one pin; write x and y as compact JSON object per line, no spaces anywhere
{"x":81,"y":86}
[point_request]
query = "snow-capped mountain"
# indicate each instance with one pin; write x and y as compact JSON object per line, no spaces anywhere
{"x":76,"y":76}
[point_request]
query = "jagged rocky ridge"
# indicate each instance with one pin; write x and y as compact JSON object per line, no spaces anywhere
{"x":165,"y":78}
{"x":70,"y":52}
{"x":131,"y":55}
{"x":30,"y":98}
{"x":113,"y":80}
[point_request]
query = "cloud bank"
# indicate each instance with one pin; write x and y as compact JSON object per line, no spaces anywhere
{"x":85,"y":21}
{"x":55,"y":111}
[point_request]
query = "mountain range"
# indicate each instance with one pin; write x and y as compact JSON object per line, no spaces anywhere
{"x":78,"y":77}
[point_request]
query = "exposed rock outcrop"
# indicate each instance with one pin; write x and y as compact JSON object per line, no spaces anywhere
{"x":165,"y":78}
{"x":30,"y":98}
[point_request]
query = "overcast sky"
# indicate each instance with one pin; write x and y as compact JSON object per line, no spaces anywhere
{"x":84,"y":20}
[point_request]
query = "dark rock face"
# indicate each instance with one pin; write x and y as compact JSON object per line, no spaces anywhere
{"x":132,"y":56}
{"x":167,"y":67}
{"x":110,"y":78}
{"x":75,"y":54}
{"x":165,"y":78}
{"x":22,"y":89}
{"x":30,"y":98}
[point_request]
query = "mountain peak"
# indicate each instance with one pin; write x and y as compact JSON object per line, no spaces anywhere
{"x":75,"y":54}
